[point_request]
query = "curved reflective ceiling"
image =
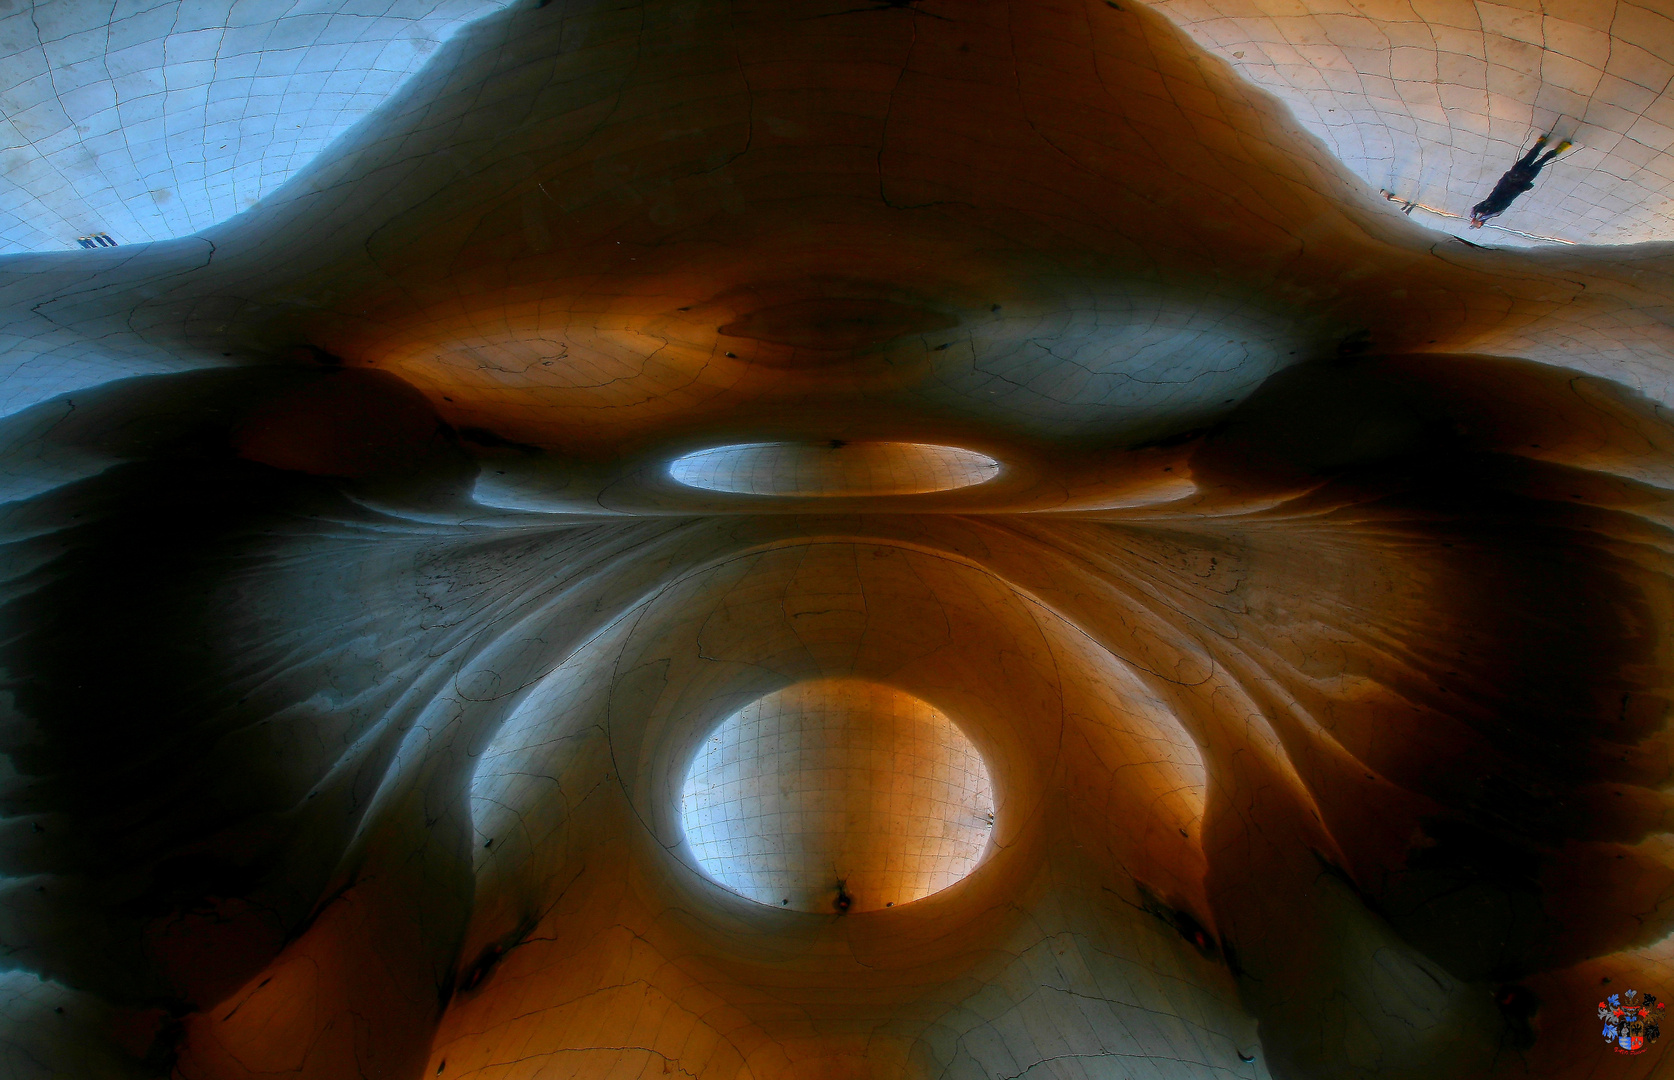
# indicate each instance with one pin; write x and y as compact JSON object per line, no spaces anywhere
{"x":1316,"y":632}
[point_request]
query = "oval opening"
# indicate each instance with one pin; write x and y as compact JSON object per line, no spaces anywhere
{"x":833,"y":468}
{"x":837,"y":795}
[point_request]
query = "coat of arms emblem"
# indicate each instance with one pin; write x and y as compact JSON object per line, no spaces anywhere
{"x":1631,"y":1021}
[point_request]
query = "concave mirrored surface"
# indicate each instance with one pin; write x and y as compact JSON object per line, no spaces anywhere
{"x":837,"y":794}
{"x":833,"y":468}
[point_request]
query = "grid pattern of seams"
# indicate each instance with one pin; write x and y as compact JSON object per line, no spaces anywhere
{"x":837,"y":784}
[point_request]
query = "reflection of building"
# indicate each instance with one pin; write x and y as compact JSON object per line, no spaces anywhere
{"x":815,"y":540}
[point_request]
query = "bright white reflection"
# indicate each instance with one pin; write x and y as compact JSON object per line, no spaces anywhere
{"x":128,"y":122}
{"x":1432,"y":102}
{"x":837,"y":789}
{"x":833,"y":468}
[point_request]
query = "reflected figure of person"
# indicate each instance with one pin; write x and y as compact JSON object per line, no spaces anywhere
{"x":1517,"y":179}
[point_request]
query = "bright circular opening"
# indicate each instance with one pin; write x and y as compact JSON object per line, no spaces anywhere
{"x":833,"y":468}
{"x":837,"y":795}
